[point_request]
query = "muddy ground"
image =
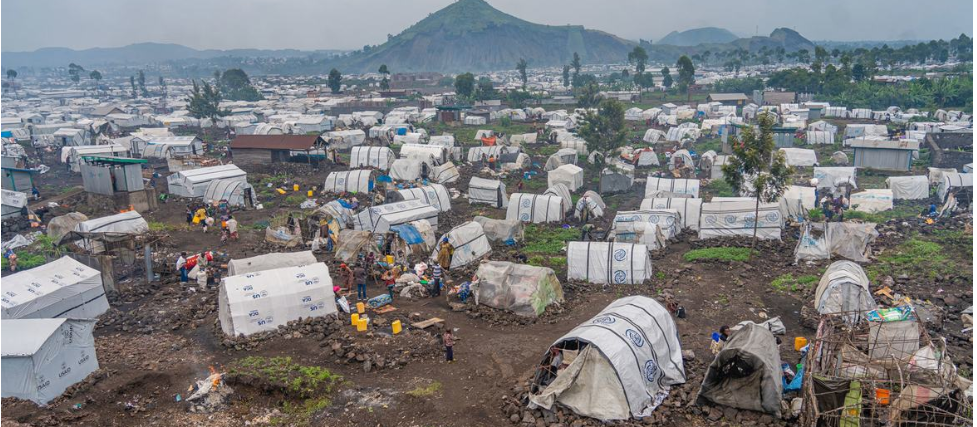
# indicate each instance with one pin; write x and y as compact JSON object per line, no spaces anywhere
{"x":160,"y":337}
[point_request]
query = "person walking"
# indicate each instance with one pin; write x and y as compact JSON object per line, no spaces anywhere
{"x":232,"y":227}
{"x":360,"y":274}
{"x":436,"y":273}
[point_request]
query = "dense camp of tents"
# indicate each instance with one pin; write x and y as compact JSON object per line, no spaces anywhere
{"x":620,"y":364}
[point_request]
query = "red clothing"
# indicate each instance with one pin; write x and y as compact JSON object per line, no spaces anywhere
{"x":449,"y":339}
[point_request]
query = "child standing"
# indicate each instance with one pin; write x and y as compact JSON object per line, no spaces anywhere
{"x":449,"y":343}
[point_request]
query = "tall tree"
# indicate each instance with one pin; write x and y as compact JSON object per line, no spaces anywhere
{"x":96,"y":77}
{"x":606,"y":128}
{"x":384,"y":72}
{"x":141,"y":79}
{"x":235,"y":85}
{"x":588,"y":95}
{"x":11,"y":73}
{"x":758,"y":168}
{"x":521,"y":67}
{"x":335,"y":80}
{"x":465,"y":85}
{"x":132,"y":83}
{"x":576,"y":65}
{"x":74,"y":72}
{"x":204,"y":102}
{"x":666,"y":78}
{"x":566,"y":76}
{"x":686,"y":75}
{"x":638,"y":57}
{"x":484,"y":89}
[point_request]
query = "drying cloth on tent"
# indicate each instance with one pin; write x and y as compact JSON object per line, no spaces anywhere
{"x":409,"y":233}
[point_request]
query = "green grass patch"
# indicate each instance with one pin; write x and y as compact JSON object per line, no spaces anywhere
{"x":913,"y":256}
{"x":426,"y":391}
{"x":789,"y":283}
{"x":720,"y":188}
{"x":25,"y":260}
{"x":706,"y":144}
{"x":548,"y":239}
{"x":718,"y":254}
{"x":158,"y":226}
{"x":283,"y":373}
{"x":35,"y":254}
{"x":294,"y":199}
{"x":896,"y":213}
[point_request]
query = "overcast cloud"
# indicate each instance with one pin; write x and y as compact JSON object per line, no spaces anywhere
{"x":350,"y":24}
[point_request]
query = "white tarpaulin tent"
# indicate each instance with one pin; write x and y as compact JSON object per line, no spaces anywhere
{"x":653,"y":135}
{"x":830,"y":177}
{"x":60,"y":288}
{"x":563,"y":192}
{"x":800,"y":157}
{"x":500,"y":230}
{"x":525,"y":290}
{"x":371,"y":157}
{"x":628,"y":357}
{"x":263,"y":300}
{"x":908,"y":187}
{"x":725,"y":219}
{"x":407,"y":169}
{"x":43,"y":357}
{"x":91,"y":233}
{"x":236,"y":192}
{"x":469,"y":243}
{"x":492,"y":192}
{"x":664,"y":187}
{"x":746,"y":374}
{"x":644,"y":233}
{"x":535,"y":208}
{"x":687,"y":208}
{"x":569,"y":175}
{"x":483,"y":153}
{"x":563,"y":156}
{"x":608,"y":263}
{"x":445,"y":174}
{"x":954,"y":180}
{"x":592,"y":203}
{"x":73,"y":155}
{"x":354,"y":181}
{"x":379,"y":219}
{"x":797,"y":201}
{"x":871,"y":201}
{"x":851,"y":240}
{"x":820,"y":137}
{"x":269,"y":262}
{"x":669,"y":221}
{"x":435,"y":195}
{"x":194,"y":182}
{"x":13,"y":203}
{"x":345,"y":139}
{"x":844,"y":289}
{"x":433,"y":155}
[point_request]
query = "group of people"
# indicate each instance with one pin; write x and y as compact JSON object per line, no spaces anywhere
{"x":207,"y":274}
{"x":833,"y":207}
{"x":205,"y":216}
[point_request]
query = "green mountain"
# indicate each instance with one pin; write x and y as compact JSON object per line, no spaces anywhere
{"x":471,"y":35}
{"x":697,"y":36}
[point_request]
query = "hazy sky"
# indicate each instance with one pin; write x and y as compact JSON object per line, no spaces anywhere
{"x":350,"y":24}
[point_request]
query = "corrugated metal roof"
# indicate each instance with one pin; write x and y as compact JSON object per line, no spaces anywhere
{"x":275,"y":142}
{"x":904,"y":144}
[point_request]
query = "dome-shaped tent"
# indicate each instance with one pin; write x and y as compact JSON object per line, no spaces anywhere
{"x":844,"y":289}
{"x":619,"y":364}
{"x":236,"y":192}
{"x":746,"y":374}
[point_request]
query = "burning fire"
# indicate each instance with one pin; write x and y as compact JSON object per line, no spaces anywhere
{"x":216,"y":376}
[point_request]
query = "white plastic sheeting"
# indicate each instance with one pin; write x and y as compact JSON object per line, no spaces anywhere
{"x":830,"y":177}
{"x":800,"y":157}
{"x":564,"y":193}
{"x":632,"y":359}
{"x":407,"y":169}
{"x":952,"y":180}
{"x":535,"y":208}
{"x":725,"y":219}
{"x":563,"y":156}
{"x":488,"y":191}
{"x":433,"y":155}
{"x":43,"y":357}
{"x":668,"y":220}
{"x":354,"y":181}
{"x":263,"y":300}
{"x":843,"y":288}
{"x":819,"y":241}
{"x":345,"y":139}
{"x":687,"y":208}
{"x":379,"y":219}
{"x":908,"y":187}
{"x":194,"y":182}
{"x":873,"y":200}
{"x":445,"y":174}
{"x":525,"y":290}
{"x":60,"y":288}
{"x":592,"y":203}
{"x":13,"y":202}
{"x":236,"y":192}
{"x":644,"y":233}
{"x":820,"y":137}
{"x":435,"y":195}
{"x":269,"y":262}
{"x":477,"y":154}
{"x":653,"y":135}
{"x":469,"y":243}
{"x":664,"y":187}
{"x":797,"y":201}
{"x":569,"y":175}
{"x":372,"y":157}
{"x":608,"y":263}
